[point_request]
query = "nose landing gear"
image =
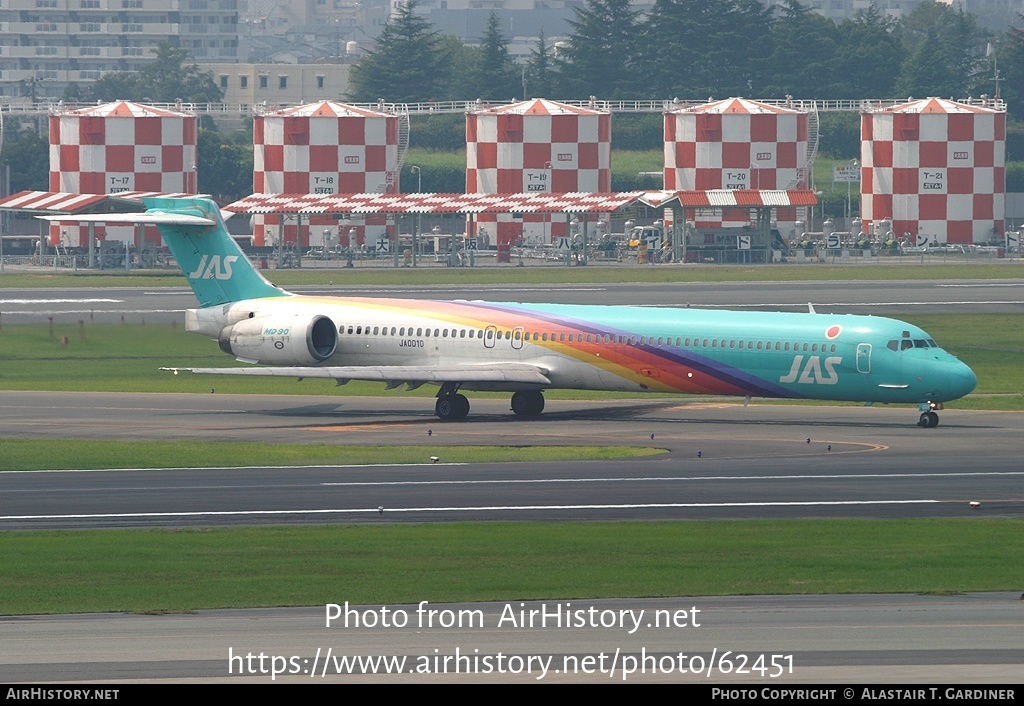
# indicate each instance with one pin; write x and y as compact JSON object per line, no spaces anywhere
{"x":929,"y":419}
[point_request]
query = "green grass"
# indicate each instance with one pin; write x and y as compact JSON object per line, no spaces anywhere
{"x":49,"y":454}
{"x":906,"y":268}
{"x":182,"y":570}
{"x":127,"y":358}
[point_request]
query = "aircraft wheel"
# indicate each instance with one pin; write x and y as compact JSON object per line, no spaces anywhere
{"x":527,"y":404}
{"x":451,"y":407}
{"x":444,"y":408}
{"x":928,"y":420}
{"x":461,"y":406}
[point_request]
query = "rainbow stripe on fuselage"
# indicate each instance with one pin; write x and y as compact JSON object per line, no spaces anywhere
{"x":792,"y":355}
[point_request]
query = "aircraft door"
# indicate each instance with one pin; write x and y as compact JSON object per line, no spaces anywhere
{"x":517,"y":337}
{"x":490,"y":333}
{"x":863,"y":357}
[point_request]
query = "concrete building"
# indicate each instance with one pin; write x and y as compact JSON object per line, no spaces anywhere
{"x":47,"y":44}
{"x":252,"y":84}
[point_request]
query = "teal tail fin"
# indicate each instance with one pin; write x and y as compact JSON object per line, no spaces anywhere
{"x":209,"y":257}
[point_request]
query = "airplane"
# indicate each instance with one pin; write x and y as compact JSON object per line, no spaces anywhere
{"x":527,"y":349}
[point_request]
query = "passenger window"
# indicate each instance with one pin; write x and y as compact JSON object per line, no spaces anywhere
{"x":419,"y":331}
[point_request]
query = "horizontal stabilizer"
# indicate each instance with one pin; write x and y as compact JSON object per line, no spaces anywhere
{"x":159,"y":218}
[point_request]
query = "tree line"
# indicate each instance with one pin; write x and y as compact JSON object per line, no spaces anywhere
{"x":700,"y":49}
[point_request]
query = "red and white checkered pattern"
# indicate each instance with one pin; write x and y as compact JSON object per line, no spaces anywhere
{"x":936,"y":168}
{"x":536,"y":146}
{"x":324,"y":148}
{"x":736,"y":144}
{"x":121,"y":147}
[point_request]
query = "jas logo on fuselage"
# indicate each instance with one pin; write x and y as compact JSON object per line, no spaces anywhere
{"x":814,"y":371}
{"x":211,"y":267}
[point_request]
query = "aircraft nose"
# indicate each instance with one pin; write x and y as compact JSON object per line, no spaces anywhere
{"x":962,"y":380}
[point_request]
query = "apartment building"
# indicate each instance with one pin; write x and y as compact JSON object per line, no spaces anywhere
{"x":47,"y":44}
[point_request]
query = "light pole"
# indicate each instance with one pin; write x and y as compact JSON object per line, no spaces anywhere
{"x":547,"y":216}
{"x":849,"y":204}
{"x":416,"y":230}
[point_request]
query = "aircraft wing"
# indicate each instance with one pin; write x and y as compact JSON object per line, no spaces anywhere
{"x":393,"y":375}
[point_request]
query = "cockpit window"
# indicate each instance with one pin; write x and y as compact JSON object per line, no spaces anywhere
{"x":905,"y":344}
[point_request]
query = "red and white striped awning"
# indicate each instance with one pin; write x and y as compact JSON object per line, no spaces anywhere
{"x":728,"y":198}
{"x":50,"y":201}
{"x":434,"y":203}
{"x":514,"y":203}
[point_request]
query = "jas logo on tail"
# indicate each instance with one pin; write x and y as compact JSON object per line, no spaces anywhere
{"x":814,"y":371}
{"x":211,"y":267}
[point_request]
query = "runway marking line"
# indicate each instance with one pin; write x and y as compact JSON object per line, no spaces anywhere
{"x":626,"y":479}
{"x":474,"y":508}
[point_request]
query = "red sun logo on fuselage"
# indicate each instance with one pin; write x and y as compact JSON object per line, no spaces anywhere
{"x":832,"y":332}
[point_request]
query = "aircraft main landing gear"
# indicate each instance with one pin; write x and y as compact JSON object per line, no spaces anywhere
{"x":527,"y":403}
{"x":450,"y":404}
{"x":451,"y":407}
